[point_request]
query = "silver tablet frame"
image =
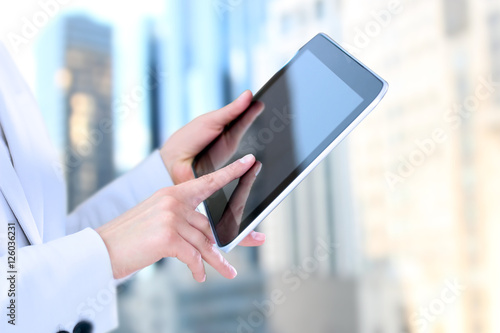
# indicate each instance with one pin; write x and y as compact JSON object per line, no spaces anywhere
{"x":314,"y":163}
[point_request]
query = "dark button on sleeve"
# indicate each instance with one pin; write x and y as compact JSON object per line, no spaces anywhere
{"x":83,"y":327}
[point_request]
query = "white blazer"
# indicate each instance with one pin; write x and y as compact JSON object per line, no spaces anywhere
{"x":62,"y":269}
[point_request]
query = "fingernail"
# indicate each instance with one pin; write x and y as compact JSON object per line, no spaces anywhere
{"x":204,"y":278}
{"x":246,"y":159}
{"x":258,"y":236}
{"x":233,"y":271}
{"x":258,"y":170}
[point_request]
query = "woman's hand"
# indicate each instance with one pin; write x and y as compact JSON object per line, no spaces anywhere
{"x":182,"y":147}
{"x":167,"y":225}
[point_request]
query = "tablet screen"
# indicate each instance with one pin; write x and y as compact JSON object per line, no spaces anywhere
{"x":291,"y":121}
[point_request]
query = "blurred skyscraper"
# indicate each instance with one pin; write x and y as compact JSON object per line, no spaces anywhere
{"x":396,"y":246}
{"x":195,"y":60}
{"x":332,"y":295}
{"x":75,"y":90}
{"x":197,"y":47}
{"x":321,"y":207}
{"x":205,"y":53}
{"x":427,"y":161}
{"x":153,"y":60}
{"x":210,"y":52}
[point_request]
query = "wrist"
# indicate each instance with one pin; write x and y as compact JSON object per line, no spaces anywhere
{"x":168,"y":162}
{"x":101,"y":231}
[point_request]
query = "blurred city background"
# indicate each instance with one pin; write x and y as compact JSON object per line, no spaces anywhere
{"x":396,"y":231}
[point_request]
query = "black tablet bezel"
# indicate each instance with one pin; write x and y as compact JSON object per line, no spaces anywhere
{"x":359,"y":78}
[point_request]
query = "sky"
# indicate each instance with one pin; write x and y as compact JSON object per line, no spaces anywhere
{"x":13,"y":17}
{"x":127,"y":22}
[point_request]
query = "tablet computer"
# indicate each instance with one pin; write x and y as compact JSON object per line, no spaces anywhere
{"x":293,"y":122}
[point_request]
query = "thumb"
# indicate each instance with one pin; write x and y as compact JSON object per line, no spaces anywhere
{"x":230,"y":112}
{"x":195,"y":191}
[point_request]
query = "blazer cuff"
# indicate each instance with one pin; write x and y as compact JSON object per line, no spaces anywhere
{"x":71,"y":276}
{"x":91,"y":256}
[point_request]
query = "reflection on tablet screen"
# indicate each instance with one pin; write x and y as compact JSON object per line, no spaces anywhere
{"x":289,"y":125}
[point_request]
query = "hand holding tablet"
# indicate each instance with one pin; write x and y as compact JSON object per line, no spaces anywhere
{"x":294,"y":121}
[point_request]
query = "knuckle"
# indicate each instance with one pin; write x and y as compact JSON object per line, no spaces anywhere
{"x":202,"y":118}
{"x":199,"y":218}
{"x":165,"y":191}
{"x":195,"y":257}
{"x":226,"y":263}
{"x":168,"y":204}
{"x":208,"y":230}
{"x":233,"y":166}
{"x":231,"y":172}
{"x":199,"y":239}
{"x":209,"y":179}
{"x":168,"y":216}
{"x":207,"y":245}
{"x":168,"y":235}
{"x":203,"y":223}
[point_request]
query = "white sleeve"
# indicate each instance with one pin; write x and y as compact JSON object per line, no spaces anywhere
{"x":61,"y":283}
{"x":69,"y":279}
{"x":121,"y":195}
